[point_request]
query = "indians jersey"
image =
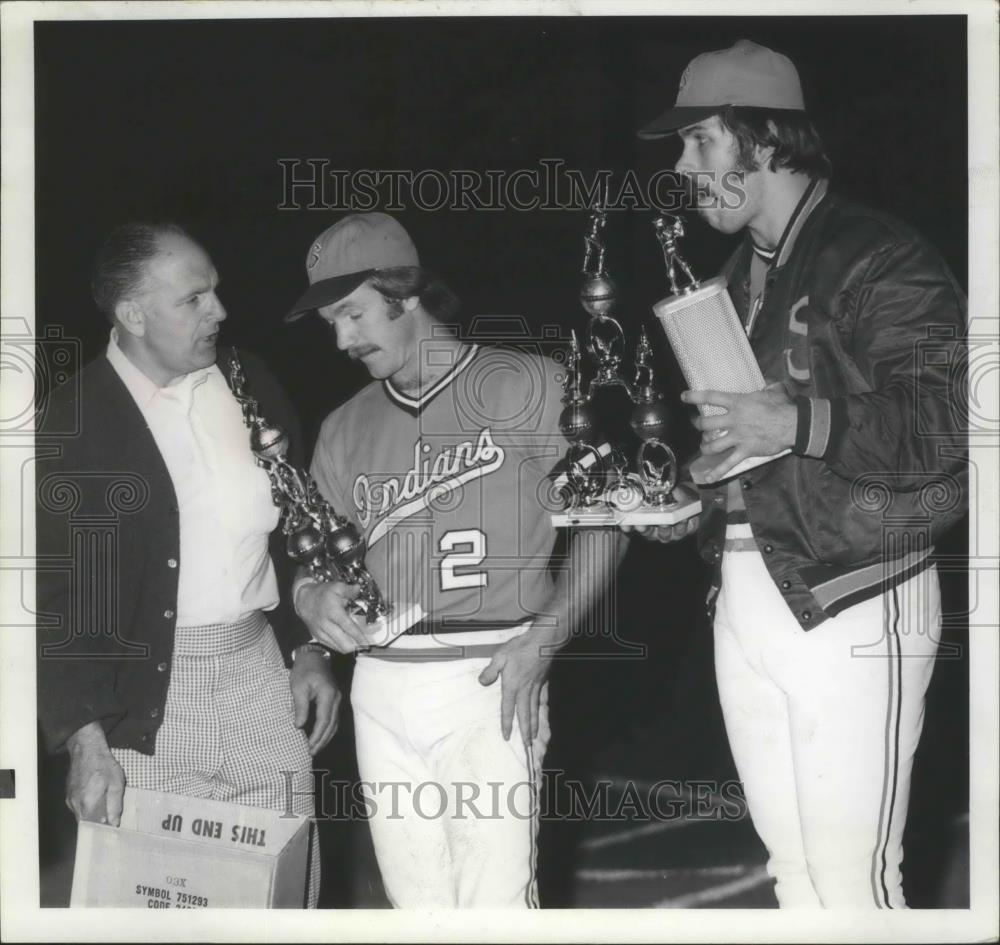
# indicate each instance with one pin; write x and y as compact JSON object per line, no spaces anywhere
{"x":452,"y":489}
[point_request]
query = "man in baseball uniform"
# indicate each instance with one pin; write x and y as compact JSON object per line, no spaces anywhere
{"x":826,"y":600}
{"x":442,"y":462}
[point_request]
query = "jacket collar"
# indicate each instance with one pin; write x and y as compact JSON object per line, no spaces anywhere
{"x":814,"y":193}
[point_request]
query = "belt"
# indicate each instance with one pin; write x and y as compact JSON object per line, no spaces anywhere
{"x":390,"y":655}
{"x":739,"y":537}
{"x":429,"y":627}
{"x":436,"y":649}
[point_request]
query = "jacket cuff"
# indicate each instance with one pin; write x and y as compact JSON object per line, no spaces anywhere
{"x":820,"y":426}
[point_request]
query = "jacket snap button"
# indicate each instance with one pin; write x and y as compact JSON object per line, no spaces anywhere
{"x":768,"y":548}
{"x":746,"y":484}
{"x":161,"y":667}
{"x":168,"y":614}
{"x":171,"y":562}
{"x":785,"y":585}
{"x":807,"y":615}
{"x":153,"y":713}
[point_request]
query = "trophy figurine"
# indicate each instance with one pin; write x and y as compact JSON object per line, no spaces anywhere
{"x":326,"y":544}
{"x":603,"y":489}
{"x":706,"y":335}
{"x":598,"y":296}
{"x":656,"y":461}
{"x":584,"y":464}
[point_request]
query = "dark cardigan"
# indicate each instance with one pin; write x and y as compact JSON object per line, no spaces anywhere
{"x":108,"y":547}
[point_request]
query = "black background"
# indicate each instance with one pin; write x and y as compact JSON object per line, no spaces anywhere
{"x":187,"y":120}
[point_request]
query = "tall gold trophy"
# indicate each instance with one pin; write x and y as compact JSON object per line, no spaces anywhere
{"x":325,"y":543}
{"x":604,"y":487}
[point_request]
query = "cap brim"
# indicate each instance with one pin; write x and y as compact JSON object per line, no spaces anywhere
{"x":675,"y":118}
{"x":326,"y":292}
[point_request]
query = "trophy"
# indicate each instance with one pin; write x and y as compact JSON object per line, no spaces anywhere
{"x":707,"y":338}
{"x":326,"y":544}
{"x":603,"y":489}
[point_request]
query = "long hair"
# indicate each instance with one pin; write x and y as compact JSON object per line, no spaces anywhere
{"x":797,"y":145}
{"x":403,"y":282}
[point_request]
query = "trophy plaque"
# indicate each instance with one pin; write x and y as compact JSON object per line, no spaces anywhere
{"x":326,"y":544}
{"x":707,"y":338}
{"x":605,"y":489}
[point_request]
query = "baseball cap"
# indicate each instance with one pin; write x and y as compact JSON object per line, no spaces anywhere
{"x":745,"y":74}
{"x":347,"y":253}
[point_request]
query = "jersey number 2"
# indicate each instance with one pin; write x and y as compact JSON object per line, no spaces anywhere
{"x":472,"y":545}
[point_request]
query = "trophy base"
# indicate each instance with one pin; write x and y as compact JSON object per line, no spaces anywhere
{"x":607,"y":515}
{"x":703,"y":464}
{"x":384,"y":630}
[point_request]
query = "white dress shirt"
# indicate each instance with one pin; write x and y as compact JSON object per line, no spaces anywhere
{"x":224,"y":499}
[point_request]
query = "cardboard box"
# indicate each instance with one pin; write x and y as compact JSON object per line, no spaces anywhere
{"x":175,"y":852}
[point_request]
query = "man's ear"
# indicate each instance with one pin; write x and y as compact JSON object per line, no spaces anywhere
{"x":764,"y":155}
{"x":131,"y":316}
{"x":411,"y":303}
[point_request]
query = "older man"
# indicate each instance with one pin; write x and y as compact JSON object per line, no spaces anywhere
{"x":828,"y":607}
{"x":157,"y":665}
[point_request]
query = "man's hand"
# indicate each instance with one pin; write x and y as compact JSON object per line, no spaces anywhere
{"x":323,"y":607}
{"x":664,"y":533}
{"x":758,"y":424}
{"x":522,"y":664}
{"x":312,"y":682}
{"x":95,"y":785}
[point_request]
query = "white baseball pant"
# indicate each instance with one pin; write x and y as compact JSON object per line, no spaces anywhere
{"x":453,"y":807}
{"x":823,"y":727}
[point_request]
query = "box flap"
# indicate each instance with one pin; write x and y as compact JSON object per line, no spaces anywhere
{"x":233,"y":826}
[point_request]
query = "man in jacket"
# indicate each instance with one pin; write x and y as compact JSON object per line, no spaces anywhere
{"x":157,"y":666}
{"x":826,"y":601}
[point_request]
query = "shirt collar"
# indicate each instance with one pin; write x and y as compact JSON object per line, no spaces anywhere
{"x":416,"y":404}
{"x":143,"y":389}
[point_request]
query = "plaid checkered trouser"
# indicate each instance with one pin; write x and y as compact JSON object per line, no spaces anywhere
{"x":228,"y":731}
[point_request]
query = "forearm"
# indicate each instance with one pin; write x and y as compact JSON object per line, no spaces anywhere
{"x":905,"y":430}
{"x":303,"y":578}
{"x":903,"y":331}
{"x":75,"y":670}
{"x":73,"y":692}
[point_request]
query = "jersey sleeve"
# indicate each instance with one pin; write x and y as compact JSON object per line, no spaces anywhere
{"x":327,"y":468}
{"x":554,"y":444}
